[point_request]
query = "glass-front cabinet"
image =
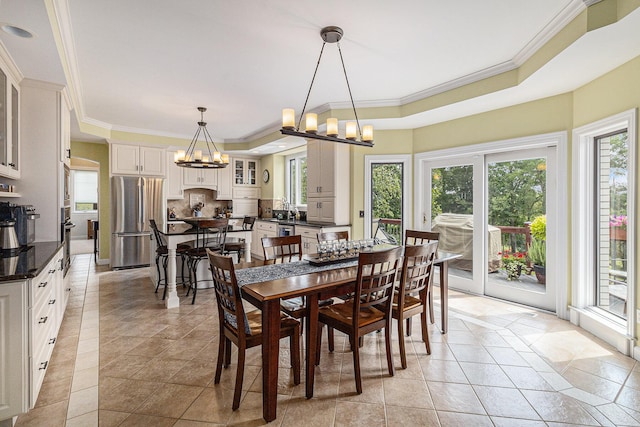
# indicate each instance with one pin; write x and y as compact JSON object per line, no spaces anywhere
{"x":245,"y":172}
{"x":9,"y":125}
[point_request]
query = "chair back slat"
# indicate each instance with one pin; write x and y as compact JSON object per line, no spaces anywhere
{"x":377,"y":273}
{"x":417,"y":237}
{"x":417,"y":268}
{"x":230,"y":310}
{"x":156,"y":234}
{"x":278,"y":250}
{"x":248,"y":222}
{"x":214,"y":232}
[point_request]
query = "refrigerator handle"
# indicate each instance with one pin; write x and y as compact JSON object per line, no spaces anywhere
{"x":141,"y":203}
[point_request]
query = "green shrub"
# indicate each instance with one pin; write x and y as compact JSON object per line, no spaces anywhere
{"x":539,"y":228}
{"x":538,"y":252}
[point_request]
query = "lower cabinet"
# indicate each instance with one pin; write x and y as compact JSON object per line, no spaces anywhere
{"x":262,"y":229}
{"x":34,"y":309}
{"x":309,"y":236}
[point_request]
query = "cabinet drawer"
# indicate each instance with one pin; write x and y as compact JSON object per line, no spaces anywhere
{"x":246,"y":193}
{"x":266,"y":226}
{"x":43,"y":285}
{"x":308,"y":232}
{"x":43,"y":323}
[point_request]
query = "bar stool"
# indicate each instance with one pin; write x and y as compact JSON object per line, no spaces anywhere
{"x":162,"y":255}
{"x":210,"y":234}
{"x":237,"y":245}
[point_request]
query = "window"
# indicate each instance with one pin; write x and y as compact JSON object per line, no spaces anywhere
{"x":84,"y":190}
{"x":296,"y":181}
{"x":604,"y":181}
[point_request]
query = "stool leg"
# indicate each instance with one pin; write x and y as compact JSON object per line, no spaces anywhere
{"x":165,"y":261}
{"x":195,"y":279}
{"x":158,"y":270}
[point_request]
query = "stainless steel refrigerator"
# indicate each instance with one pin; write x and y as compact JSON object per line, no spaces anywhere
{"x":134,"y":201}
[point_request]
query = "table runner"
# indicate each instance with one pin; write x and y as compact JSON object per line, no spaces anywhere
{"x":266,"y":273}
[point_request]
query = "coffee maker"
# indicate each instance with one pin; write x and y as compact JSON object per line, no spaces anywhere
{"x":25,"y":221}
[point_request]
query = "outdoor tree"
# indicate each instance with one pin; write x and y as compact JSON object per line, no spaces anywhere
{"x":386,"y":190}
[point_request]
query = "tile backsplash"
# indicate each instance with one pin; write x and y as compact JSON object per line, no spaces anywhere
{"x":183,"y":208}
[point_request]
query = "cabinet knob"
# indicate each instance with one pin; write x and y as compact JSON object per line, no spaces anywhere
{"x":52,"y":341}
{"x":43,"y":365}
{"x":43,"y":319}
{"x":52,"y":301}
{"x":43,"y":284}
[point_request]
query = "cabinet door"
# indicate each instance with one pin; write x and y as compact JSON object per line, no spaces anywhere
{"x":245,"y":207}
{"x":209,"y":178}
{"x":225,"y":177}
{"x":152,"y":161}
{"x":174,"y":178}
{"x":124,"y":159}
{"x":13,"y":350}
{"x":321,"y":210}
{"x":238,"y":172}
{"x":327,"y":177}
{"x":191,"y":177}
{"x":65,"y":131}
{"x":314,"y":170}
{"x":252,"y":172}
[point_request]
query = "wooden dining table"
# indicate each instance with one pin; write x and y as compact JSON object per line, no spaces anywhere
{"x":335,"y":281}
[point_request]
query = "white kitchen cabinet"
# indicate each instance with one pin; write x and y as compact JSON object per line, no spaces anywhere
{"x":137,"y":160}
{"x":9,"y":122}
{"x":245,"y":172}
{"x":262,"y":229}
{"x":200,"y":178}
{"x":246,"y":193}
{"x":14,"y":344}
{"x":173,"y":184}
{"x":328,"y":175}
{"x":33,"y":310}
{"x":309,"y":236}
{"x":245,"y":207}
{"x":225,"y":184}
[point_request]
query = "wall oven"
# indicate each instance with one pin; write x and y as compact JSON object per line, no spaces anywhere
{"x":65,"y":236}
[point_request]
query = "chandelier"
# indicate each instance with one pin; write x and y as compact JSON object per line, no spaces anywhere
{"x":330,"y":34}
{"x":193,"y":158}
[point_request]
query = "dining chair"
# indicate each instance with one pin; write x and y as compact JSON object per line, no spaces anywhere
{"x":419,"y":237}
{"x":210,"y":234}
{"x":242,"y":328}
{"x":411,"y":296}
{"x":234,"y":245}
{"x":329,"y":236}
{"x":370,"y":309}
{"x":162,"y":257}
{"x":279,"y":250}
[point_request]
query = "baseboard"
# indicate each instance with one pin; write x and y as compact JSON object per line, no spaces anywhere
{"x":611,"y":332}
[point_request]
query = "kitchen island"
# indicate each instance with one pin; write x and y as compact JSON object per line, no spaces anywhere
{"x":181,"y":233}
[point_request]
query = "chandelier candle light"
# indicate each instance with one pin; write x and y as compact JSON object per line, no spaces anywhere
{"x":329,"y":35}
{"x":193,"y":158}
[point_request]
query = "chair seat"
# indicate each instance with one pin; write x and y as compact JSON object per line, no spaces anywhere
{"x":201,"y":252}
{"x":409,"y":302}
{"x":234,"y":246}
{"x":343,"y":313}
{"x":254,"y":318}
{"x":181,"y":249}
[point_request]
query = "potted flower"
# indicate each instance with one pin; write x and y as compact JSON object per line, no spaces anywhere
{"x":538,"y":249}
{"x":513,"y":264}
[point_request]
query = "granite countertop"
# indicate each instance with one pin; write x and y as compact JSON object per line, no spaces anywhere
{"x":301,"y":223}
{"x":28,"y":263}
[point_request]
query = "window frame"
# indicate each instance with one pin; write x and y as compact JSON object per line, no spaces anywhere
{"x":72,"y":185}
{"x":296,"y":158}
{"x":584,"y":310}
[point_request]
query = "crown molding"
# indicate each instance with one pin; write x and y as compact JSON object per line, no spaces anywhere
{"x":10,"y":65}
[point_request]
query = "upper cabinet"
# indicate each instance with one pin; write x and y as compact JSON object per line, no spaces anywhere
{"x":137,"y":160}
{"x":200,"y":178}
{"x":328,"y":168}
{"x":225,"y":181}
{"x":174,"y":178}
{"x":245,"y":172}
{"x":9,"y":124}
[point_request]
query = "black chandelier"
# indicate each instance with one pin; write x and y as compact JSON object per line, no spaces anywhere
{"x":330,"y":34}
{"x":193,"y":158}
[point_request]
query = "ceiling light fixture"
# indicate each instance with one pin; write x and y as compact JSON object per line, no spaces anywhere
{"x":330,"y":34}
{"x":193,"y":158}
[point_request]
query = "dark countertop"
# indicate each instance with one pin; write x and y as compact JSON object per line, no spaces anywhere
{"x":301,"y":223}
{"x":29,"y":262}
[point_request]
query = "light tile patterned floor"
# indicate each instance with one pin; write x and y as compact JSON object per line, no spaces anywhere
{"x":123,"y":360}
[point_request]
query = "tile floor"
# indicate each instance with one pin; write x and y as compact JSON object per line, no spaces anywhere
{"x":123,"y":360}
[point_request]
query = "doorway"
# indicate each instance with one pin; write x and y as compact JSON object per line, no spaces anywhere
{"x":484,"y":201}
{"x":84,"y":191}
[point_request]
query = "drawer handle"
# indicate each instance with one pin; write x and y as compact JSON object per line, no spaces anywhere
{"x":43,"y":284}
{"x":43,"y":319}
{"x":68,"y":289}
{"x":43,"y":365}
{"x":51,"y":302}
{"x":52,"y":341}
{"x":52,"y":271}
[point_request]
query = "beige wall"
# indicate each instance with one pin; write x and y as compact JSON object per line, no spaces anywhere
{"x":99,"y":153}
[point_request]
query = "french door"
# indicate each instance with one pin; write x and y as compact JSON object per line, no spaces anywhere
{"x":483,"y":206}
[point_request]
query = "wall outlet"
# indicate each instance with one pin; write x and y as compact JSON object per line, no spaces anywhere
{"x":361,"y":214}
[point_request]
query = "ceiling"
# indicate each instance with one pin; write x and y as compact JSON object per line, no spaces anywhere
{"x":144,"y":66}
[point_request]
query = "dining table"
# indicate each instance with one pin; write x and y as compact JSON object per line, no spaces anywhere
{"x":186,"y":230}
{"x":266,"y":286}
